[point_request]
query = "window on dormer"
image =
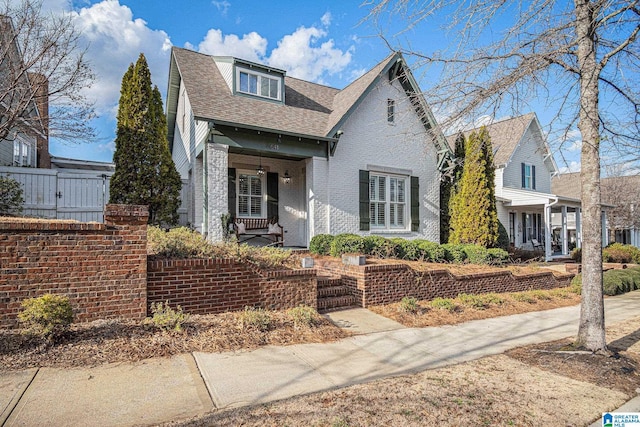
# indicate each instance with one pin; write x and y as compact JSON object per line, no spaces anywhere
{"x":258,"y":84}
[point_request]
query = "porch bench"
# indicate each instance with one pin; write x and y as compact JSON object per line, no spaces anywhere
{"x":250,"y":228}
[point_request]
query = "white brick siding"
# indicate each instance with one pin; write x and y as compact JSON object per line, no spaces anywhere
{"x":217,"y":189}
{"x":369,"y":140}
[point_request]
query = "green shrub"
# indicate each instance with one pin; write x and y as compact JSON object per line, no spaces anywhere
{"x":409,"y":305}
{"x":180,"y":242}
{"x":46,"y":317}
{"x":476,"y":254}
{"x":304,"y":316}
{"x":454,"y":252}
{"x":480,"y":302}
{"x":524,"y":297}
{"x":503,"y":238}
{"x":166,"y":318}
{"x":346,"y":244}
{"x":11,"y":197}
{"x":497,"y":256}
{"x":541,"y":295}
{"x":377,"y":246}
{"x":576,"y":284}
{"x":576,"y":255}
{"x":443,"y":304}
{"x":618,"y":252}
{"x":432,"y":251}
{"x":617,"y":282}
{"x":255,"y":318}
{"x":321,"y":244}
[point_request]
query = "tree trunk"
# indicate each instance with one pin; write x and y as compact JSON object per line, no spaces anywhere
{"x":591,"y":333}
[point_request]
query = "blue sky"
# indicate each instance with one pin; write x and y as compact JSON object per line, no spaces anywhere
{"x":326,"y":42}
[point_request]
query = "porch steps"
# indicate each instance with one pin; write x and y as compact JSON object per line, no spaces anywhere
{"x":333,"y":295}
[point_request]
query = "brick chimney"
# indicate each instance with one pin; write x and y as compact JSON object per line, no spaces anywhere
{"x":40,"y":85}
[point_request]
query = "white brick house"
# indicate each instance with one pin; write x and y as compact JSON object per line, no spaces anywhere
{"x":526,"y":206}
{"x":364,"y":159}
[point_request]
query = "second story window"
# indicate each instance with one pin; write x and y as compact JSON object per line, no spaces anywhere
{"x":391,"y":110}
{"x":528,"y":176}
{"x":258,"y":84}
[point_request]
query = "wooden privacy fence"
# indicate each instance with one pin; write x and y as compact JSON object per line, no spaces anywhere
{"x":78,"y":194}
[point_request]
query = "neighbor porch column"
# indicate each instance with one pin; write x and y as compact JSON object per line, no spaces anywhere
{"x":578,"y":227}
{"x":547,"y":233}
{"x":217,"y":164}
{"x":565,"y":232}
{"x":605,"y":232}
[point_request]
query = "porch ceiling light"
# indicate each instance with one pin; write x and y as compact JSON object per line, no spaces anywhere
{"x":260,"y":170}
{"x":286,"y":177}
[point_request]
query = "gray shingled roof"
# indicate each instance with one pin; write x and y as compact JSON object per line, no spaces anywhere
{"x":505,"y":136}
{"x":569,"y":185}
{"x":310,"y":109}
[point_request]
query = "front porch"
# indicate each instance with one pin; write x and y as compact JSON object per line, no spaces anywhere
{"x":251,"y":175}
{"x":540,"y":221}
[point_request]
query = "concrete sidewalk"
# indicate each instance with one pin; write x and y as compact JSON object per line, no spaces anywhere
{"x":162,"y":390}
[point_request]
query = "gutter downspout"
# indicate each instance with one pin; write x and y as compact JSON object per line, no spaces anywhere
{"x":547,"y":229}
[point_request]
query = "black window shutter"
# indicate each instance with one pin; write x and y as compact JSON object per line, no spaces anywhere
{"x":272,"y":195}
{"x":524,"y":227}
{"x":533,"y":177}
{"x":523,"y":180}
{"x":415,"y":203}
{"x":364,"y":201}
{"x":231,"y":190}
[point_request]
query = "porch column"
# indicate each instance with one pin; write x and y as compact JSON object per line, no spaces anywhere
{"x":317,"y":193}
{"x":565,"y":232}
{"x":217,"y":177}
{"x":547,"y":233}
{"x":605,"y":233}
{"x":578,"y":227}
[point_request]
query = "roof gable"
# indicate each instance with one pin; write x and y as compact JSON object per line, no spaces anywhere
{"x":507,"y":135}
{"x":309,"y":109}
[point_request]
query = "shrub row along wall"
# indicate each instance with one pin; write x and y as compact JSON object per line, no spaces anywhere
{"x":102,"y":268}
{"x":203,"y":286}
{"x":388,"y":283}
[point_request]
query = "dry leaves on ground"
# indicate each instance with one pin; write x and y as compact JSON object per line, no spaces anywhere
{"x":109,"y":341}
{"x":559,"y":389}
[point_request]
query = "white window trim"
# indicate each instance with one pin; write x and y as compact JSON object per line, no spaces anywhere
{"x":24,"y":147}
{"x":387,"y":204}
{"x":259,"y":74}
{"x":530,"y":176}
{"x":263,"y":198}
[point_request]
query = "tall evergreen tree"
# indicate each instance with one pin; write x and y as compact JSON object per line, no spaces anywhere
{"x":144,"y":171}
{"x":473,"y":208}
{"x":448,"y":185}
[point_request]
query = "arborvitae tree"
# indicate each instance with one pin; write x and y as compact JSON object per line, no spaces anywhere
{"x":448,"y":185}
{"x":144,"y":171}
{"x":473,"y":208}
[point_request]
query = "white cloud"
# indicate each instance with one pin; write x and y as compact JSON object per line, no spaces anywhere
{"x":302,"y":53}
{"x":299,"y":54}
{"x":326,"y":19}
{"x":251,"y":46}
{"x":116,"y":39}
{"x":573,"y":166}
{"x":222,"y":6}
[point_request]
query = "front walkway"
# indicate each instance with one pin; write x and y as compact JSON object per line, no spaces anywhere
{"x":162,"y":390}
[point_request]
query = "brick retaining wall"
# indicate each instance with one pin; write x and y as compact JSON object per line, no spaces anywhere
{"x":102,"y":268}
{"x":388,"y":283}
{"x":203,"y":286}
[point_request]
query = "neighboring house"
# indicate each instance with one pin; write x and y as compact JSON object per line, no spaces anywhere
{"x":28,"y":142}
{"x":621,"y":197}
{"x":255,"y":143}
{"x":527,"y":207}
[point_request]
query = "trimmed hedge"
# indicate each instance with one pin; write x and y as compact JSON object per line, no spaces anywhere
{"x":398,"y":248}
{"x":617,"y":252}
{"x":615,"y":282}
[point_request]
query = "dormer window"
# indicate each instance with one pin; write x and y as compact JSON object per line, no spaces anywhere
{"x":258,"y":84}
